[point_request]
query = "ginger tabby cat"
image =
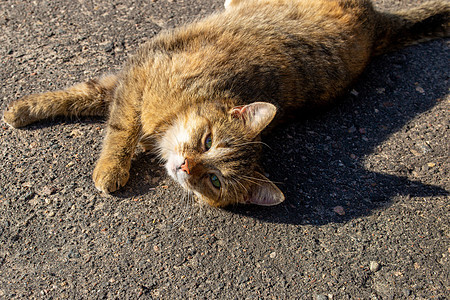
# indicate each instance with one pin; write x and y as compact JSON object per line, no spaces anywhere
{"x":200,"y":95}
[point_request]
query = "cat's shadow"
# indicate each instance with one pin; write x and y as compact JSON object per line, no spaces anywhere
{"x":318,"y":161}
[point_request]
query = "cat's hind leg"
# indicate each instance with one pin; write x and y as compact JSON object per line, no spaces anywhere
{"x":89,"y":98}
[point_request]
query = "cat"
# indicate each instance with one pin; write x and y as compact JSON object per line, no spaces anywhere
{"x":199,"y":96}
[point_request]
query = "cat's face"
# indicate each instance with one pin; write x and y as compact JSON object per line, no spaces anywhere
{"x":213,"y":151}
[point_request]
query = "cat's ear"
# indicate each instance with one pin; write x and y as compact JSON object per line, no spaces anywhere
{"x":264,"y":192}
{"x":256,"y":116}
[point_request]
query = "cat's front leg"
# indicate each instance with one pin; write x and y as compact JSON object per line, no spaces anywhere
{"x":122,"y":135}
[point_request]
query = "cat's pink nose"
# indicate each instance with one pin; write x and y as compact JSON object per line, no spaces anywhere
{"x":185,"y":167}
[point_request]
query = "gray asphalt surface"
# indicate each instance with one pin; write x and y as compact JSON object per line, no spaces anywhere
{"x":367,"y":182}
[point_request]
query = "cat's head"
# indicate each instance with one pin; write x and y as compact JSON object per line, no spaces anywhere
{"x":213,"y":150}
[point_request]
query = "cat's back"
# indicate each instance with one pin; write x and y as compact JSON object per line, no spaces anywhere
{"x":266,"y":24}
{"x":265,"y":50}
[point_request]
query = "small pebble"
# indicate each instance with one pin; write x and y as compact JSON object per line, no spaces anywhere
{"x":339,"y":210}
{"x":27,"y":184}
{"x":380,"y":90}
{"x":73,"y":253}
{"x":46,"y":191}
{"x":425,"y":148}
{"x":374,"y":266}
{"x":420,"y":89}
{"x":273,"y":255}
{"x":29,"y":195}
{"x":109,"y":47}
{"x":321,"y":297}
{"x":416,"y":153}
{"x":76,"y":133}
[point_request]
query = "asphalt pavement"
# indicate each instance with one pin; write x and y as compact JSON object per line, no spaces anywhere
{"x":367,"y":181}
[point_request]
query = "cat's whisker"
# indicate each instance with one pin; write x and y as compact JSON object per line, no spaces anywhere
{"x":254,"y":178}
{"x":201,"y":205}
{"x":255,"y":142}
{"x":251,"y":181}
{"x":262,"y":179}
{"x":236,"y":193}
{"x":178,"y":219}
{"x":222,"y":193}
{"x":192,"y":203}
{"x":187,"y":205}
{"x":243,"y":187}
{"x":258,"y":182}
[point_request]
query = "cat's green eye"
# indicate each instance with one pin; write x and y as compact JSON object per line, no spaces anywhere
{"x":208,"y":143}
{"x":215,"y":181}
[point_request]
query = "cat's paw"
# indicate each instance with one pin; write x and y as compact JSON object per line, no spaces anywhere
{"x":109,"y":177}
{"x":17,"y":114}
